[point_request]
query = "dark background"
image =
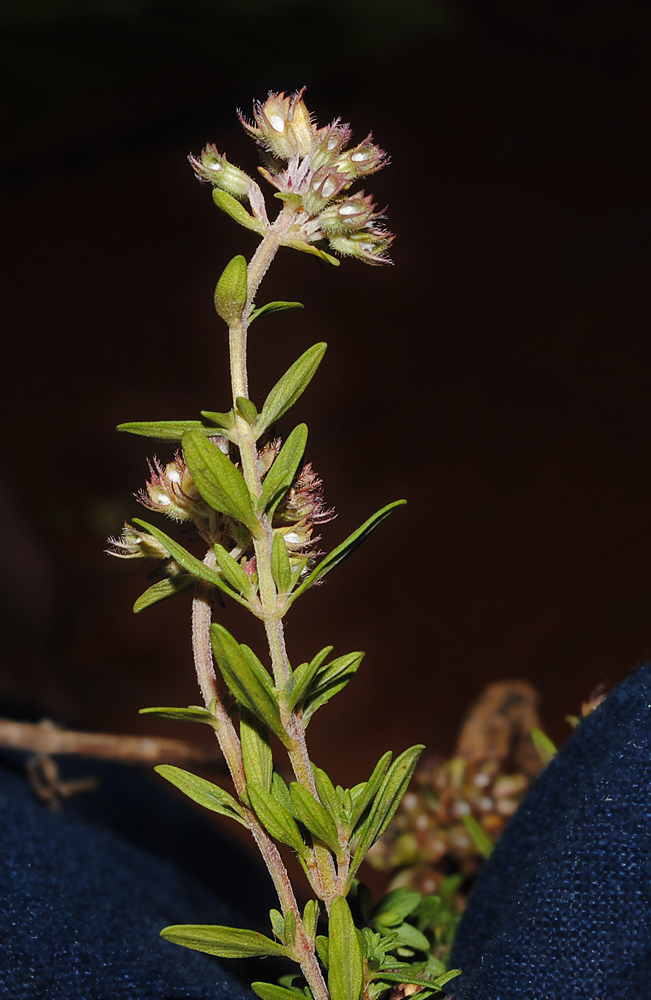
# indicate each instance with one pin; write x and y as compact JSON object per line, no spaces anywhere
{"x":497,"y":376}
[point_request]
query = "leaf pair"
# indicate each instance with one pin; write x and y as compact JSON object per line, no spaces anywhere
{"x":315,"y":683}
{"x":247,"y":680}
{"x":195,"y":567}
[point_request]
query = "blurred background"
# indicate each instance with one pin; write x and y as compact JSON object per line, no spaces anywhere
{"x":496,"y":377}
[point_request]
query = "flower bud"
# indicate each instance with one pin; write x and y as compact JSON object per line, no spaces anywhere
{"x":282,"y":126}
{"x":369,"y":245}
{"x":172,"y":491}
{"x":325,"y":185}
{"x":215,"y":168}
{"x":134,"y":544}
{"x":361,"y":160}
{"x":350,"y":214}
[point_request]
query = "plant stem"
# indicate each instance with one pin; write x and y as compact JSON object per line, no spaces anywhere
{"x":272,"y":618}
{"x":231,"y":748}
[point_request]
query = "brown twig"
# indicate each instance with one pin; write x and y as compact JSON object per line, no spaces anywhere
{"x":46,"y":738}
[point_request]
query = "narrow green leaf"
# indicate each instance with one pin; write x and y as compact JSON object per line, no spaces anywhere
{"x":275,"y":818}
{"x":225,"y":421}
{"x":346,"y":971}
{"x":321,"y":944}
{"x":193,"y":713}
{"x":478,"y":835}
{"x":280,"y":792}
{"x":236,"y":211}
{"x":164,"y":430}
{"x":386,"y":802}
{"x":231,"y":570}
{"x":544,"y":746}
{"x":327,"y":794}
{"x":304,"y":247}
{"x":300,"y":681}
{"x":311,"y":918}
{"x":204,"y":792}
{"x":225,"y":942}
{"x":280,"y":568}
{"x":392,"y":909}
{"x":269,"y":991}
{"x":346,"y":548}
{"x":290,"y":387}
{"x":189,"y":562}
{"x":219,"y":482}
{"x":247,"y":681}
{"x":313,"y":816}
{"x":256,"y":751}
{"x":231,"y":290}
{"x":369,"y":790}
{"x":441,"y":981}
{"x":277,"y":924}
{"x":169,"y":586}
{"x":410,"y":937}
{"x":290,"y":928}
{"x":274,"y":307}
{"x":246,"y":409}
{"x":330,"y":681}
{"x":283,"y":471}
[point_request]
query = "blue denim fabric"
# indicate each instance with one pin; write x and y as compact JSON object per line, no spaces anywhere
{"x":84,"y":893}
{"x":563,"y":907}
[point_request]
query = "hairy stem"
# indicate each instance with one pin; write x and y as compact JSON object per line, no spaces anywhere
{"x":230,"y":746}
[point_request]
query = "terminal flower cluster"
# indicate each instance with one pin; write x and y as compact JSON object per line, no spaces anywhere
{"x":313,"y":170}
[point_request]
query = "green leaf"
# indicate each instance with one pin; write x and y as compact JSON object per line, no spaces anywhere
{"x":386,"y":802}
{"x":247,"y":680}
{"x":311,"y":918}
{"x":304,"y":247}
{"x":167,"y":587}
{"x":281,"y":474}
{"x":280,"y":792}
{"x":274,"y":307}
{"x":231,"y":290}
{"x":290,"y":387}
{"x":193,"y":713}
{"x":327,"y":794}
{"x":290,"y":928}
{"x":346,"y":548}
{"x":329,"y":681}
{"x":277,"y":924}
{"x":246,"y":409}
{"x":313,"y":816}
{"x":478,"y":835}
{"x":164,"y":430}
{"x":392,"y":909}
{"x":189,"y":562}
{"x":219,"y":482}
{"x":321,"y":944}
{"x":346,"y":970}
{"x":544,"y":746}
{"x":302,"y":678}
{"x":204,"y":792}
{"x":369,"y":789}
{"x":276,"y":819}
{"x":280,"y":568}
{"x":269,"y":991}
{"x":410,"y":937}
{"x":231,"y":570}
{"x":237,"y":211}
{"x":225,"y":421}
{"x":256,"y":751}
{"x":408,"y":974}
{"x":225,"y":942}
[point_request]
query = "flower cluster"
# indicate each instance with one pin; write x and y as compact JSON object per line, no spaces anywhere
{"x":312,"y":170}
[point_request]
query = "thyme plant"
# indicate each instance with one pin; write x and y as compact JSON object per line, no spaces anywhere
{"x":254,"y":507}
